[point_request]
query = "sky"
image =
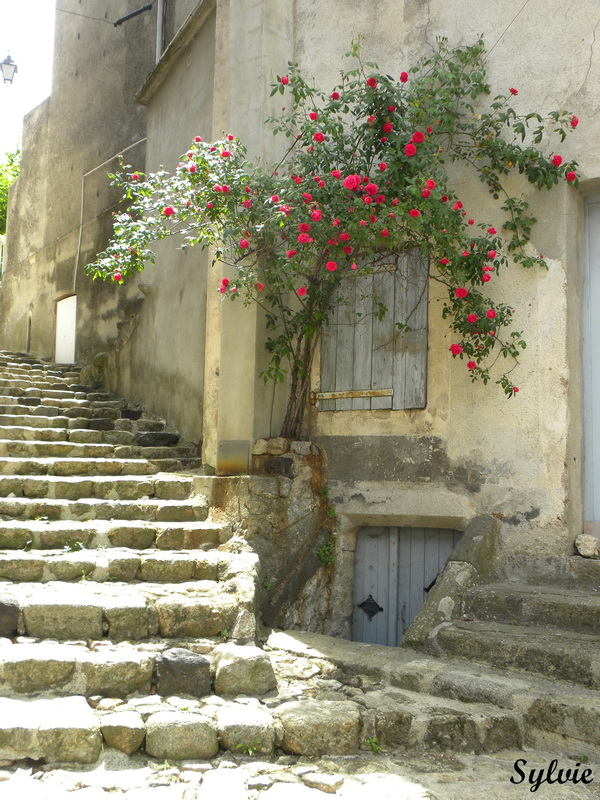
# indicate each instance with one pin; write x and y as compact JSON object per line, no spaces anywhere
{"x":27,"y":33}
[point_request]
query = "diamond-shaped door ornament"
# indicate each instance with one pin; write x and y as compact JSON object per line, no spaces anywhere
{"x":370,"y":606}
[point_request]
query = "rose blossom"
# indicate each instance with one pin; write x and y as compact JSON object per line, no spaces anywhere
{"x":403,"y":77}
{"x":430,"y":184}
{"x":388,"y":127}
{"x":557,"y":160}
{"x":284,"y":79}
{"x":487,"y":277}
{"x":291,"y":253}
{"x":335,"y":95}
{"x":418,"y":136}
{"x":472,"y":318}
{"x":301,"y":291}
{"x":313,"y":115}
{"x":514,"y":91}
{"x":331,"y":266}
{"x":372,"y":82}
{"x":414,"y":212}
{"x":456,"y":349}
{"x":319,"y":137}
{"x":316,"y":215}
{"x":574,"y":124}
{"x":471,"y":364}
{"x":490,"y":314}
{"x":461,"y":292}
{"x":168,"y":211}
{"x":335,"y":173}
{"x":352,"y":182}
{"x":244,"y":243}
{"x":410,"y":149}
{"x":571,"y":176}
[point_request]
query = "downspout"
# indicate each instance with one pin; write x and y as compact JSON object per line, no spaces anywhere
{"x":160,"y":29}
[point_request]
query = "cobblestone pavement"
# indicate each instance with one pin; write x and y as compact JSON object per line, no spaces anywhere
{"x":387,"y":776}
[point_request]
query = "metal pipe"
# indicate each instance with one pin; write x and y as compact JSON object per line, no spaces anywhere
{"x":160,"y":29}
{"x":121,"y":20}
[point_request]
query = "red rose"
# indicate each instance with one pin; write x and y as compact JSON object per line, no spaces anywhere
{"x":514,"y":91}
{"x":285,"y":80}
{"x":515,"y":388}
{"x":135,"y":177}
{"x":367,"y":199}
{"x":461,"y":292}
{"x":557,"y":160}
{"x":471,"y":364}
{"x":319,"y":137}
{"x":225,"y":154}
{"x":392,"y":109}
{"x":403,"y":77}
{"x":472,"y":318}
{"x":372,"y":82}
{"x":352,"y":182}
{"x":385,"y":233}
{"x":335,"y":173}
{"x":492,"y":254}
{"x":574,"y":124}
{"x":418,"y":136}
{"x":304,"y":238}
{"x":444,"y":198}
{"x":382,"y":166}
{"x":429,"y":129}
{"x":371,"y":189}
{"x":301,"y":291}
{"x":331,"y":266}
{"x":291,"y":253}
{"x":197,"y":138}
{"x":430,"y":184}
{"x":425,"y":193}
{"x":456,"y":349}
{"x":259,"y":286}
{"x":485,"y":278}
{"x":313,"y":115}
{"x":306,"y":197}
{"x":335,"y":95}
{"x":275,"y":198}
{"x":247,"y":203}
{"x":117,"y":277}
{"x":410,"y":149}
{"x":492,"y":231}
{"x":168,"y":211}
{"x":490,"y":314}
{"x":345,"y":236}
{"x":244,"y":243}
{"x":304,"y":227}
{"x":230,"y":137}
{"x":388,"y":127}
{"x":414,"y":212}
{"x":444,"y":261}
{"x":316,"y":215}
{"x":571,"y":176}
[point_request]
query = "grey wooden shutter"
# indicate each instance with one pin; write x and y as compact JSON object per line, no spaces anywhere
{"x":360,"y":352}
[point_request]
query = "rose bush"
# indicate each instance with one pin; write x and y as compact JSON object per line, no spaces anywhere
{"x":364,"y":177}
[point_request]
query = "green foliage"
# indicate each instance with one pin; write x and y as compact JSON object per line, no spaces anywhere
{"x":223,"y":635}
{"x":9,"y":171}
{"x":364,"y":178}
{"x":372,"y":742}
{"x":72,"y":545}
{"x":326,"y":552}
{"x":248,"y":749}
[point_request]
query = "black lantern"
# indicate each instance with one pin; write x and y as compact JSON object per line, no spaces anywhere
{"x":8,"y":68}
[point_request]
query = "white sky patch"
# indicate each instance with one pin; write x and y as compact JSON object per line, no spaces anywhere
{"x":27,"y":33}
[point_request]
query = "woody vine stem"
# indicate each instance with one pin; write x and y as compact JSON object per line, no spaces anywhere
{"x":364,"y":179}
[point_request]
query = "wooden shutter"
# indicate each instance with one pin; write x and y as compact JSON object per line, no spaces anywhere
{"x":360,"y":352}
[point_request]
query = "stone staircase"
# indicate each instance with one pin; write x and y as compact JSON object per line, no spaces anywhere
{"x":119,"y":586}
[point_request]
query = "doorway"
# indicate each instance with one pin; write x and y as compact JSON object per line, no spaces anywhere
{"x":394,"y":570}
{"x":66,"y":320}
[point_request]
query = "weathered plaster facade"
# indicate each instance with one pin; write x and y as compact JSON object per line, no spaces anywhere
{"x":192,"y":358}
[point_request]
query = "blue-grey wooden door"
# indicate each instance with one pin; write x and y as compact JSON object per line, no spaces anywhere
{"x":394,"y":569}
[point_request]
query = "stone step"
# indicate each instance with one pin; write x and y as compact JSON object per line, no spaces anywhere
{"x":129,"y":612}
{"x":550,"y":606}
{"x":72,"y":536}
{"x":33,"y":421}
{"x":57,"y":729}
{"x":192,"y":509}
{"x":26,"y":433}
{"x":76,"y":466}
{"x":117,"y":564}
{"x":130,"y":487}
{"x":40,"y":449}
{"x":565,"y":655}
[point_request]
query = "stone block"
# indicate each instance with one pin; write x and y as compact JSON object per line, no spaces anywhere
{"x":124,"y":730}
{"x":117,"y":674}
{"x":277,"y":446}
{"x":35,"y":668}
{"x":301,"y":448}
{"x":587,"y":545}
{"x":199,"y":617}
{"x":156,"y":439}
{"x":179,"y":735}
{"x":182,"y":672}
{"x":242,"y":670}
{"x":62,"y":620}
{"x":319,"y":728}
{"x":242,"y":728}
{"x":259,"y":448}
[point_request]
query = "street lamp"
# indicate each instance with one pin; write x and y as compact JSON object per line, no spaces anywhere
{"x":8,"y":68}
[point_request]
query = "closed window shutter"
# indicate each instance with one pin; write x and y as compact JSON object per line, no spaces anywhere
{"x":360,"y":352}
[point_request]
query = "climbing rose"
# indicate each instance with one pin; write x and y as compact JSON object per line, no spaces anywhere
{"x":247,"y":203}
{"x":316,"y":215}
{"x":382,"y":166}
{"x":418,"y":136}
{"x":372,"y":82}
{"x":485,"y":278}
{"x":514,"y":91}
{"x":574,"y":124}
{"x":168,"y":211}
{"x":331,"y":266}
{"x":403,"y":77}
{"x":259,"y":286}
{"x":135,"y":177}
{"x":444,"y":261}
{"x":410,"y":149}
{"x":225,"y":154}
{"x":313,"y":115}
{"x":557,"y":160}
{"x":471,"y":364}
{"x":117,"y":277}
{"x":335,"y":95}
{"x":301,"y":291}
{"x":244,"y":243}
{"x":515,"y":388}
{"x":472,"y":318}
{"x":304,"y":227}
{"x":430,"y":184}
{"x":352,"y":182}
{"x":291,"y":253}
{"x":490,"y":314}
{"x":197,"y":138}
{"x":492,"y":254}
{"x":385,"y":232}
{"x":371,"y":188}
{"x":304,"y":238}
{"x":335,"y":173}
{"x":285,"y":80}
{"x":461,"y":292}
{"x":571,"y":176}
{"x":275,"y":198}
{"x":425,"y":193}
{"x":456,"y":349}
{"x":492,"y":231}
{"x":414,"y":212}
{"x":319,"y":137}
{"x":388,"y":127}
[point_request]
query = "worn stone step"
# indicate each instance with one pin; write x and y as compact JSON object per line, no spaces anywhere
{"x":117,"y":564}
{"x":550,"y":606}
{"x":41,"y":449}
{"x":67,"y":669}
{"x":57,"y":729}
{"x":192,"y":509}
{"x":130,"y":487}
{"x":138,"y":535}
{"x":76,"y":466}
{"x":33,"y":421}
{"x":130,"y":612}
{"x":566,"y":655}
